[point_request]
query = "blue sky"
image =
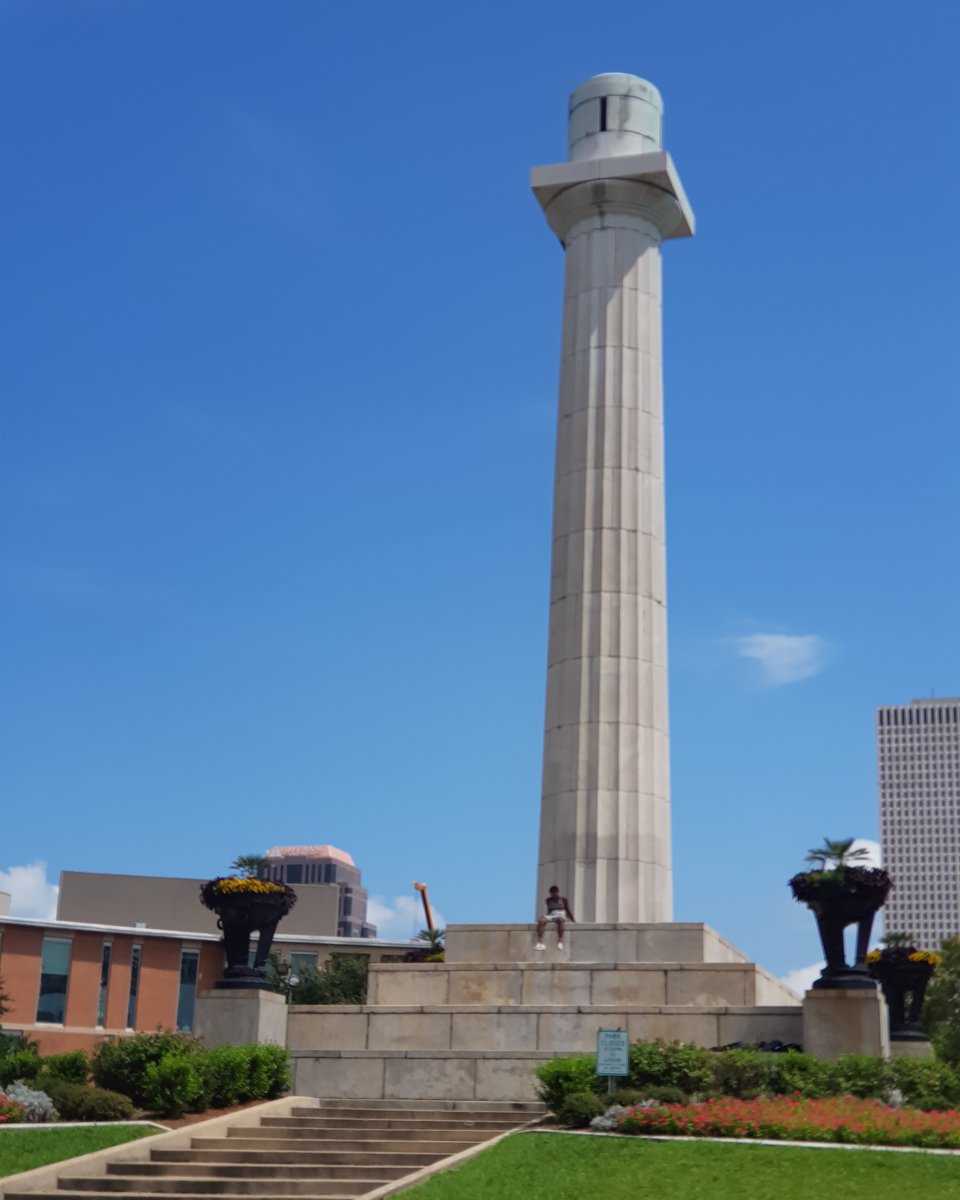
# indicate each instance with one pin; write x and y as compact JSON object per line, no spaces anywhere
{"x":281,"y":334}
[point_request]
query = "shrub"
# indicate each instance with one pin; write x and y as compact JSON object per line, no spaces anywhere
{"x":795,"y":1073}
{"x":227,"y":1075}
{"x":74,"y":1067}
{"x":627,"y":1097}
{"x":580,"y":1108}
{"x":122,"y":1066}
{"x":925,"y":1083}
{"x":341,"y":980}
{"x":744,"y":1073}
{"x":37,"y":1106}
{"x":100,"y":1104}
{"x":673,"y":1064}
{"x":269,"y":1071}
{"x":19,"y":1064}
{"x":560,"y":1076}
{"x":67,"y":1097}
{"x":10,"y":1111}
{"x":859,"y":1075}
{"x":173,"y":1085}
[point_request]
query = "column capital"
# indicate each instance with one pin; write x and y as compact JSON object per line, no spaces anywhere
{"x":642,"y":185}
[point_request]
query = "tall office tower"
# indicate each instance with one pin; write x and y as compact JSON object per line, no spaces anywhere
{"x":605,"y":812}
{"x":299,"y":865}
{"x":918,"y":750}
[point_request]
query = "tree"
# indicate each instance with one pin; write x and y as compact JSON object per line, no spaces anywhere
{"x":251,"y":866}
{"x":341,"y":980}
{"x":835,"y":854}
{"x":434,"y":937}
{"x":941,"y":1009}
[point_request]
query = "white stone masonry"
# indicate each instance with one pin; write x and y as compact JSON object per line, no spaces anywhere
{"x":605,"y":816}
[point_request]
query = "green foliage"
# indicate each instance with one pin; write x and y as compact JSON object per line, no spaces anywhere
{"x":579,"y":1109}
{"x":941,"y":1007}
{"x":671,"y":1073}
{"x":227,"y":1072}
{"x":24,"y":1150}
{"x":269,"y":1071}
{"x":73,"y":1067}
{"x":795,"y":1073}
{"x":250,"y":866}
{"x":673,"y":1064}
{"x":100,"y":1104}
{"x":836,"y":853}
{"x":562,"y":1076}
{"x":174,"y":1084}
{"x":121,"y":1066}
{"x":20,"y":1064}
{"x":67,"y":1097}
{"x":341,"y":980}
{"x":742,"y":1073}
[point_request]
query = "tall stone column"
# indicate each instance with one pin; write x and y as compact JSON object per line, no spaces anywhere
{"x":605,"y":814}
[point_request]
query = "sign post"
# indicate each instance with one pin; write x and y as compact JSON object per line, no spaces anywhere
{"x":613,"y":1059}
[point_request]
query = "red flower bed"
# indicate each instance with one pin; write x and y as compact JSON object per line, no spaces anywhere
{"x":836,"y":1119}
{"x":10,"y":1111}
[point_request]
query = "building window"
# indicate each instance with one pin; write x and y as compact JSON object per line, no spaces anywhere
{"x":54,"y":972}
{"x":295,"y":873}
{"x":302,"y":962}
{"x":104,"y":981}
{"x":187,"y":998}
{"x":135,"y":955}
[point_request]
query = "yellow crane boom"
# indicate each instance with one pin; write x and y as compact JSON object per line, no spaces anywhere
{"x":427,"y":911}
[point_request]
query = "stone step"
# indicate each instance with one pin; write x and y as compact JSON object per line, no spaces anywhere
{"x":103,"y":1194}
{"x":356,"y":1133}
{"x":412,"y":1124}
{"x":386,"y":1145}
{"x":286,"y":1170}
{"x":355,"y":1185}
{"x":359,"y":1111}
{"x":499,"y":1107}
{"x":406,"y":1158}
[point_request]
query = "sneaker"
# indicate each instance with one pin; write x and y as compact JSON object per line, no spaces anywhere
{"x":559,"y":945}
{"x":539,"y":946}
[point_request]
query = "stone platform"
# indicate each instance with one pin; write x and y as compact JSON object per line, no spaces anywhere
{"x":476,"y":1026}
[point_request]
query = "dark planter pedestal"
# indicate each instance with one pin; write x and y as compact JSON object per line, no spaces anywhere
{"x":834,"y":913}
{"x":904,"y":985}
{"x":241,"y":914}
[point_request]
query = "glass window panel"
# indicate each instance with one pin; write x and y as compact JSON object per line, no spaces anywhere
{"x":187,"y":998}
{"x":134,"y":987}
{"x":104,"y":981}
{"x":302,"y":962}
{"x":54,"y":972}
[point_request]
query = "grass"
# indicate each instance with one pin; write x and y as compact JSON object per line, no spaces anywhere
{"x":24,"y":1149}
{"x":552,"y":1167}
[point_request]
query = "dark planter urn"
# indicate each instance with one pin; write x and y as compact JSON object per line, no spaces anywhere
{"x":241,"y":914}
{"x":846,"y":896}
{"x":904,"y":985}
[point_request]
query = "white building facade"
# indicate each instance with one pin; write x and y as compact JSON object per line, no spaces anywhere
{"x":918,"y":753}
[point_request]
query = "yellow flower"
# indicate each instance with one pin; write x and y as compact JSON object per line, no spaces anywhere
{"x":926,"y":956}
{"x":258,"y":887}
{"x":873,"y":956}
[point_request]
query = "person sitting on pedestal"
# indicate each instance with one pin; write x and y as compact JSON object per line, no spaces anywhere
{"x":557,"y":911}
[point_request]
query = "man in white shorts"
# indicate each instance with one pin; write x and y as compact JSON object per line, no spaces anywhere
{"x":558,"y":910}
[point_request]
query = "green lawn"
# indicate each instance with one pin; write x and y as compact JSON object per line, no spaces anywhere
{"x":24,"y":1149}
{"x":553,"y":1167}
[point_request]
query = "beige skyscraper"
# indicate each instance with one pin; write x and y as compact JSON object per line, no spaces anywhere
{"x":918,"y":752}
{"x":605,"y":813}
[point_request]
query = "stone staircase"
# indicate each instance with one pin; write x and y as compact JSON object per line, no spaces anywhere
{"x":332,"y":1151}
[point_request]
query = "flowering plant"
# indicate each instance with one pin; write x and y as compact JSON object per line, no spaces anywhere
{"x":10,"y":1111}
{"x":836,"y":1119}
{"x":212,"y":892}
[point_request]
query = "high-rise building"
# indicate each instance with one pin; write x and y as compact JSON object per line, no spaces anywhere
{"x":918,"y":751}
{"x":299,"y":865}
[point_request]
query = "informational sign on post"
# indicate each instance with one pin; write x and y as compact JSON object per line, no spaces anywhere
{"x":612,"y":1052}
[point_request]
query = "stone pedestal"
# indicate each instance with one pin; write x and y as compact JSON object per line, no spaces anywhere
{"x":845,"y":1021}
{"x":912,"y":1048}
{"x":240,"y":1018}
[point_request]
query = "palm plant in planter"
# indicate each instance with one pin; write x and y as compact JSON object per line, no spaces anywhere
{"x":247,"y":903}
{"x":841,"y":891}
{"x":903,"y":973}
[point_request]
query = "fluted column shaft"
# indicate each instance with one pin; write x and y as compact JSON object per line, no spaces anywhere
{"x":605,"y":816}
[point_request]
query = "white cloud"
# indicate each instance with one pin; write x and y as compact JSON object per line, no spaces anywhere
{"x":873,"y":852}
{"x":32,"y":894}
{"x":783,"y":657}
{"x":801,"y":978}
{"x":400,"y":919}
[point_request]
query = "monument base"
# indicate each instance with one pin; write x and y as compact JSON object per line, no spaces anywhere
{"x":238,"y":1017}
{"x":910,"y":1048}
{"x":845,"y":1021}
